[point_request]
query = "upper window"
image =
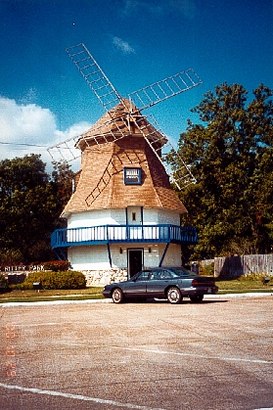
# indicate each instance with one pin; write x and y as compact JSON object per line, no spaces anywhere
{"x":132,"y":176}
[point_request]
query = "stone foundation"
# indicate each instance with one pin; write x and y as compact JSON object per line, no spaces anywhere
{"x":104,"y":277}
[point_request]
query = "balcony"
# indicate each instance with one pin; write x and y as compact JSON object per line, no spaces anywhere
{"x":107,"y":234}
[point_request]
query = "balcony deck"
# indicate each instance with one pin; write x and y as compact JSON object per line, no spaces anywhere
{"x":106,"y":234}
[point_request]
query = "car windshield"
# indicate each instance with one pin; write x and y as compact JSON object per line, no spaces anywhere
{"x":144,"y":275}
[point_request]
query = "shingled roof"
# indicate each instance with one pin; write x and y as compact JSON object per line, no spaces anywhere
{"x":101,"y":181}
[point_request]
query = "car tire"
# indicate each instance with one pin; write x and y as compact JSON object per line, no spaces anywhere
{"x":196,"y":298}
{"x":117,"y":295}
{"x":174,"y":295}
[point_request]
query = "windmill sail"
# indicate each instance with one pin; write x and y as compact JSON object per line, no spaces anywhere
{"x":94,"y":76}
{"x":164,"y":89}
{"x":124,"y":116}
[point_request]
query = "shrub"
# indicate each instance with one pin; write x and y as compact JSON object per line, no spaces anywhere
{"x":55,"y":280}
{"x":206,"y":269}
{"x":57,"y":266}
{"x":4,"y":286}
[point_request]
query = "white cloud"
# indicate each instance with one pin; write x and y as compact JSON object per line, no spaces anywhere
{"x":29,"y":128}
{"x":123,"y":45}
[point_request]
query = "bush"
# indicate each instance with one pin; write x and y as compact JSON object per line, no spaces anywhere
{"x":4,"y":286}
{"x":55,"y":280}
{"x":56,"y":266}
{"x":206,"y":269}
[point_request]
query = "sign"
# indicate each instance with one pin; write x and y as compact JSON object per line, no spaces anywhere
{"x":22,"y":268}
{"x":132,"y":176}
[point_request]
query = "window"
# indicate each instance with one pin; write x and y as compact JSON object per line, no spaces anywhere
{"x":143,"y":276}
{"x":132,"y":176}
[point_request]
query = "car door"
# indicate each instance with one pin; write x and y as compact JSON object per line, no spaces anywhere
{"x":158,"y":282}
{"x":138,"y":286}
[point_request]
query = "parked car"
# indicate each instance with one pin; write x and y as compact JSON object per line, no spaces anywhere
{"x":162,"y":283}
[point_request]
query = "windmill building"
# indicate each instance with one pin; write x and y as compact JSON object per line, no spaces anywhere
{"x":124,"y":214}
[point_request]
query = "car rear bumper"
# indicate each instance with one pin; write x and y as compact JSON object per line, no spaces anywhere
{"x":200,"y":290}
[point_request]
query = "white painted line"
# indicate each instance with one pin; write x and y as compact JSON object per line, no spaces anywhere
{"x":62,"y":323}
{"x":76,"y":397}
{"x":233,"y":359}
{"x":265,"y":408}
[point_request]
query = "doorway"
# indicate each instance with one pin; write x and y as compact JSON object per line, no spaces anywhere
{"x":135,"y":261}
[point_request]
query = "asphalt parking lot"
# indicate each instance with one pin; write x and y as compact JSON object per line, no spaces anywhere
{"x":146,"y":356}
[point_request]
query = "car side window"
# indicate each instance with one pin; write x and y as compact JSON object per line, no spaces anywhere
{"x":143,"y":276}
{"x":165,"y":274}
{"x":153,"y":276}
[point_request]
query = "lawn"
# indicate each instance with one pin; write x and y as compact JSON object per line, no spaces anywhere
{"x":16,"y":295}
{"x":251,"y":283}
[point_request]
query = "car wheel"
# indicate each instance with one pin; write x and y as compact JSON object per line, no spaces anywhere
{"x":174,"y":295}
{"x":196,"y":298}
{"x":117,"y":295}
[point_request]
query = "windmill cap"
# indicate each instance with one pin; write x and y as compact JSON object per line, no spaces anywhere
{"x":120,"y":121}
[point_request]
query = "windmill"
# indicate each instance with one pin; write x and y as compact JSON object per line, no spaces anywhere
{"x":123,"y":213}
{"x":128,"y":115}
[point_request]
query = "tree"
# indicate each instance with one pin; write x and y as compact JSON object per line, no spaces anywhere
{"x":61,"y":178}
{"x":230,"y":152}
{"x":30,"y":205}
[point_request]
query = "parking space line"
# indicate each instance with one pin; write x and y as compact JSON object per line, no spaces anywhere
{"x":28,"y":325}
{"x":76,"y":397}
{"x":233,"y":359}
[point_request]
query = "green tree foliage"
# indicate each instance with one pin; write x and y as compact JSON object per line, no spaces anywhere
{"x":61,"y":178}
{"x":230,"y":152}
{"x":30,"y":203}
{"x":4,"y":286}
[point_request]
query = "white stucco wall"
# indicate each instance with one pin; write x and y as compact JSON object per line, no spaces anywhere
{"x":96,"y":257}
{"x":157,"y":216}
{"x":89,"y":257}
{"x":97,"y":218}
{"x":173,"y":255}
{"x":118,"y":217}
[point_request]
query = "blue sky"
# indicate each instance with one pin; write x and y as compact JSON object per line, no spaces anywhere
{"x":44,"y":100}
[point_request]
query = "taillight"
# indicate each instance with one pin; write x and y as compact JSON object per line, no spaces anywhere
{"x":194,"y":282}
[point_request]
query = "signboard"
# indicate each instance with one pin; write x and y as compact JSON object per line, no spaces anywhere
{"x":132,"y":176}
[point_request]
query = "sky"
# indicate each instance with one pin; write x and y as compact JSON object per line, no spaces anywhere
{"x":43,"y":98}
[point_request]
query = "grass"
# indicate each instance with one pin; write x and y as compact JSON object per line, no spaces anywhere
{"x":17,"y":295}
{"x":252,"y":283}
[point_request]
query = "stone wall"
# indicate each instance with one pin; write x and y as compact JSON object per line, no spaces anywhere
{"x":104,"y":277}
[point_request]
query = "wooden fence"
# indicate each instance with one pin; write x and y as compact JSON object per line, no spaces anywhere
{"x":234,"y":266}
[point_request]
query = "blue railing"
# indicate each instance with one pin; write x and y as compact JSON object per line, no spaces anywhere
{"x":95,"y":235}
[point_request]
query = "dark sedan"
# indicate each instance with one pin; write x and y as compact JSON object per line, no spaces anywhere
{"x":162,"y":283}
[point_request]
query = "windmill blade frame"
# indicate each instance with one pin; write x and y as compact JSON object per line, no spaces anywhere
{"x":162,"y":90}
{"x":139,"y":100}
{"x":94,"y":76}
